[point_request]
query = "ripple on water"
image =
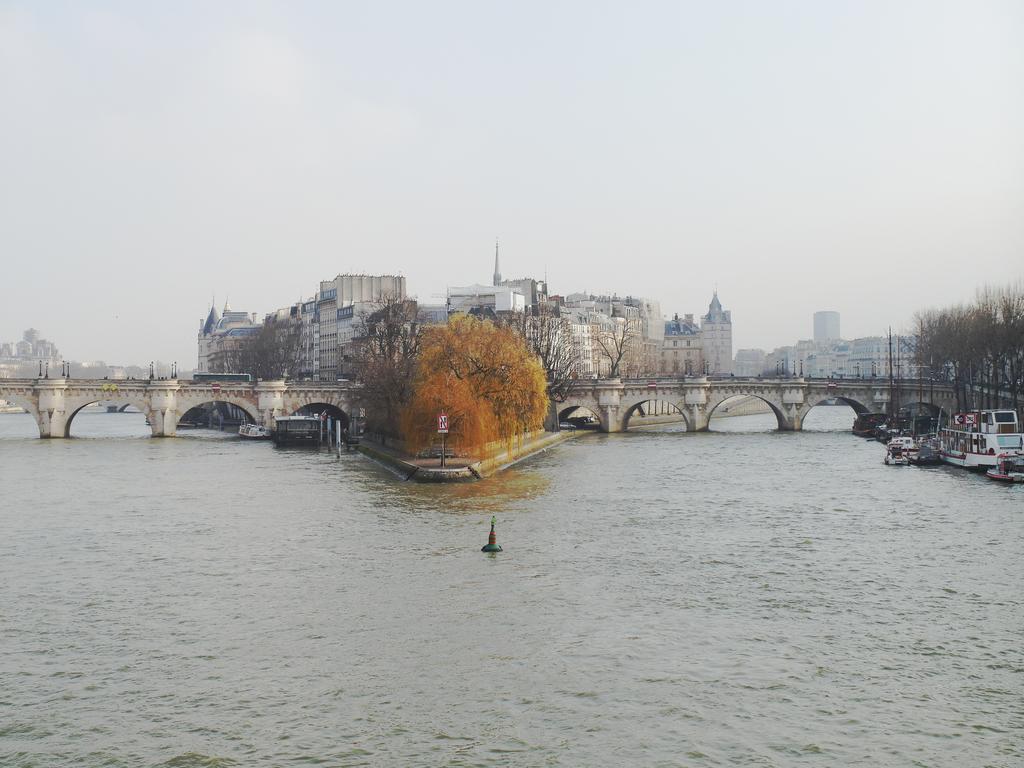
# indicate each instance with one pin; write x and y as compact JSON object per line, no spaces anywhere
{"x":725,"y":599}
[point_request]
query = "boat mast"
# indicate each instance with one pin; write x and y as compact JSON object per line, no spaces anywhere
{"x":892,"y":410}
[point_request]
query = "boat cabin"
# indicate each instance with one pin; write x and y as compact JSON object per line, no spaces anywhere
{"x":974,"y":438}
{"x":296,"y":429}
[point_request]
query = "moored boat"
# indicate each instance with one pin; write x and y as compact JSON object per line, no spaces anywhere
{"x":927,"y":453}
{"x":866,"y":423}
{"x":254,"y":432}
{"x":899,"y":450}
{"x":976,"y":438}
{"x":292,"y":430}
{"x":1009,"y":468}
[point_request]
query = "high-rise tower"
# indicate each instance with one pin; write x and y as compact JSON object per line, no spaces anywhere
{"x":826,"y":327}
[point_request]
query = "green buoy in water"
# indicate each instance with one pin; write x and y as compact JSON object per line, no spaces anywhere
{"x":492,"y":540}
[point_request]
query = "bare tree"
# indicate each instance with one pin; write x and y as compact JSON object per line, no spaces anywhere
{"x":978,"y":348}
{"x":615,"y":342}
{"x":548,"y":335}
{"x":385,"y":350}
{"x":270,"y":353}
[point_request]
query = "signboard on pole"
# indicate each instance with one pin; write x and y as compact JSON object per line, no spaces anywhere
{"x":442,"y":423}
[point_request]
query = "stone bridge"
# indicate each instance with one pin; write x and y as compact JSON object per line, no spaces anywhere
{"x":54,"y":402}
{"x":614,"y":401}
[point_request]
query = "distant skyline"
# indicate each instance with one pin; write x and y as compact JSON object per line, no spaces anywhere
{"x":862,"y":157}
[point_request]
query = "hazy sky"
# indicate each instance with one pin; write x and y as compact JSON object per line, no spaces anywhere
{"x":866,"y":157}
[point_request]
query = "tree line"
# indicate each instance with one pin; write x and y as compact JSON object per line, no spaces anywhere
{"x":977,"y":347}
{"x":483,"y":375}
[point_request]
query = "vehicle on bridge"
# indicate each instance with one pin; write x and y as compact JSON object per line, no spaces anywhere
{"x":243,"y":378}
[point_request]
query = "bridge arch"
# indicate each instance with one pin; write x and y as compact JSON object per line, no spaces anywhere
{"x":199,"y":410}
{"x":932,"y":408}
{"x":568,"y":411}
{"x":186,"y":404}
{"x":858,"y":407}
{"x":28,"y":405}
{"x":783,"y":422}
{"x":74,"y":405}
{"x":332,"y":410}
{"x":676,"y":410}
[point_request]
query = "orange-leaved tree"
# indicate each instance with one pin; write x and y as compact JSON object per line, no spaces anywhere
{"x":484,"y":377}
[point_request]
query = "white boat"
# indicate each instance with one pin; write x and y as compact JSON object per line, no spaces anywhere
{"x":1009,"y":468}
{"x":899,"y":451}
{"x":254,"y":432}
{"x":976,"y":438}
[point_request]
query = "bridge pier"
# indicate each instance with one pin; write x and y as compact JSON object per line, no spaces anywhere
{"x":270,"y":400}
{"x":699,"y":421}
{"x":790,"y":420}
{"x":163,"y":407}
{"x":52,"y":422}
{"x":51,"y":407}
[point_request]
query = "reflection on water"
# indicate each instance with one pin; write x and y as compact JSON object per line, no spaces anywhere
{"x":745,"y":597}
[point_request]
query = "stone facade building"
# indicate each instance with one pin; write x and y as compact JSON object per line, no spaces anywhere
{"x":340,"y":304}
{"x":749,"y":362}
{"x":220,"y":335}
{"x":716,"y":336}
{"x":682,"y":351}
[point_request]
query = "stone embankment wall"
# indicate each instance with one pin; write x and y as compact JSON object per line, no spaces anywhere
{"x":499,"y":455}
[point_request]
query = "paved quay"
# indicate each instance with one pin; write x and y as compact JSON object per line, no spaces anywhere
{"x":460,"y":470}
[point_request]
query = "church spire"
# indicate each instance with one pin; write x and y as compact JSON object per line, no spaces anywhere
{"x":497,"y":267}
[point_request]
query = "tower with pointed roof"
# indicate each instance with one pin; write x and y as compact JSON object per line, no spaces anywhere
{"x":497,"y":267}
{"x":716,"y":338}
{"x":206,"y":330}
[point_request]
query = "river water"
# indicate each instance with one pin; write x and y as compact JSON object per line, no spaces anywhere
{"x":736,"y":598}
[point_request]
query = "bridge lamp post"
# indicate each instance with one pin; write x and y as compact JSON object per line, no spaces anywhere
{"x":151,"y":370}
{"x":46,"y":374}
{"x":40,"y":369}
